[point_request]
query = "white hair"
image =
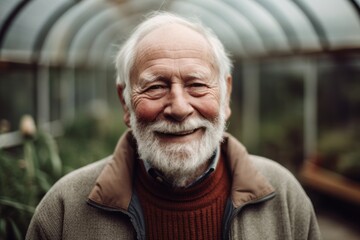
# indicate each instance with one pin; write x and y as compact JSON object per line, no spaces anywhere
{"x":125,"y":58}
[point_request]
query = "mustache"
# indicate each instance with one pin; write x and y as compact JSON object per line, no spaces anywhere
{"x":192,"y":124}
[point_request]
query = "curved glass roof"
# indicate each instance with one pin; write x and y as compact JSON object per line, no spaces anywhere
{"x":340,"y":21}
{"x":86,"y":32}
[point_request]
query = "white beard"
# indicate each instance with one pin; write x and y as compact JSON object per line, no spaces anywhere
{"x":178,"y":162}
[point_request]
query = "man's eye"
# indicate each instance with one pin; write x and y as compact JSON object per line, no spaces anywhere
{"x":197,"y":89}
{"x":198,"y":85}
{"x":156,"y":91}
{"x":156,"y":87}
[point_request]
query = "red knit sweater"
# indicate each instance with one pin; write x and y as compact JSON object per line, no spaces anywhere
{"x":192,"y":213}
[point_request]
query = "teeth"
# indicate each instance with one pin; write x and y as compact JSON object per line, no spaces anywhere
{"x":183,"y":133}
{"x":180,"y":133}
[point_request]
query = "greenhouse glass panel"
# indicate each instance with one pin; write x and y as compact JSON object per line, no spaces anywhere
{"x":111,"y":92}
{"x":6,"y":7}
{"x":293,"y":18}
{"x":104,"y":46}
{"x":83,"y":41}
{"x":17,"y":93}
{"x":61,"y":35}
{"x":224,"y":31}
{"x":237,"y":99}
{"x":339,"y":116}
{"x":269,"y":29}
{"x":85,"y":89}
{"x":248,"y":40}
{"x":339,"y":20}
{"x":281,"y":112}
{"x":22,"y":35}
{"x":55,"y":93}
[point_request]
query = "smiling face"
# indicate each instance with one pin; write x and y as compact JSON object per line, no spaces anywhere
{"x":174,"y":79}
{"x":176,"y":113}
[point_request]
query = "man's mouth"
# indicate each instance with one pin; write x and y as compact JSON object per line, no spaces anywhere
{"x":178,"y":134}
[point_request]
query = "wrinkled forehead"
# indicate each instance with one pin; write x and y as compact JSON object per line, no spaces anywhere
{"x":173,"y":39}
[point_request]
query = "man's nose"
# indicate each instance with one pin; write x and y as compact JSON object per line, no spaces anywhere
{"x":178,"y":107}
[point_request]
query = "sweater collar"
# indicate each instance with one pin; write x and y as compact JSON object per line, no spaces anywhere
{"x":114,"y":186}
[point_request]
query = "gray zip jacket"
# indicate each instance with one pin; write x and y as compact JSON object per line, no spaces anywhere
{"x":98,"y":202}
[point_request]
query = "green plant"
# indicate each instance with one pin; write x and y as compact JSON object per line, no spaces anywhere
{"x":88,"y":139}
{"x":27,"y":173}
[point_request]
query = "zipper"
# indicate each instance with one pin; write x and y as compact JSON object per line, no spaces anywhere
{"x":236,"y":211}
{"x":131,"y":216}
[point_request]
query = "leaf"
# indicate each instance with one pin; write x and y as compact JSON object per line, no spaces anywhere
{"x":2,"y":228}
{"x":56,"y":163}
{"x":15,"y":229}
{"x":29,"y":158}
{"x":13,"y":204}
{"x":43,"y":181}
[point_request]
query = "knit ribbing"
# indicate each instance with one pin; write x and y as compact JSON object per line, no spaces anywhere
{"x":192,"y":213}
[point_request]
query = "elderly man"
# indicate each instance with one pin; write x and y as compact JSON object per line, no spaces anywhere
{"x":175,"y":174}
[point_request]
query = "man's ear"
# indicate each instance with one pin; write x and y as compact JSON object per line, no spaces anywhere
{"x":126,"y":117}
{"x":228,"y":96}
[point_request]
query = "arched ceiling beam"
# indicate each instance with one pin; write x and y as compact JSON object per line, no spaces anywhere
{"x":47,"y":26}
{"x":248,"y":37}
{"x":225,"y":33}
{"x":297,"y":27}
{"x":81,"y":47}
{"x":61,"y":35}
{"x":106,"y":45}
{"x":315,"y":23}
{"x":269,"y":30}
{"x":85,"y":32}
{"x":21,"y":37}
{"x":339,"y":21}
{"x":7,"y":18}
{"x":246,"y":27}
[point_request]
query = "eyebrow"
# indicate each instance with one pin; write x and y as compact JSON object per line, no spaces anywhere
{"x":148,"y":77}
{"x":198,"y":75}
{"x":151,"y":77}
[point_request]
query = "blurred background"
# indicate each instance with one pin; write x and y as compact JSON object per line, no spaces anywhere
{"x":296,"y":93}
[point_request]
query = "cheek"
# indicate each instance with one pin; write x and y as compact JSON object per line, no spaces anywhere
{"x":146,"y":110}
{"x":208,"y":108}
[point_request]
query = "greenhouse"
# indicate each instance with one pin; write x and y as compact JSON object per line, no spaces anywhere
{"x":295,"y":96}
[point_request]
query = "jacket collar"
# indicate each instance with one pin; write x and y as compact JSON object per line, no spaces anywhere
{"x":248,"y":184}
{"x":113,"y":187}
